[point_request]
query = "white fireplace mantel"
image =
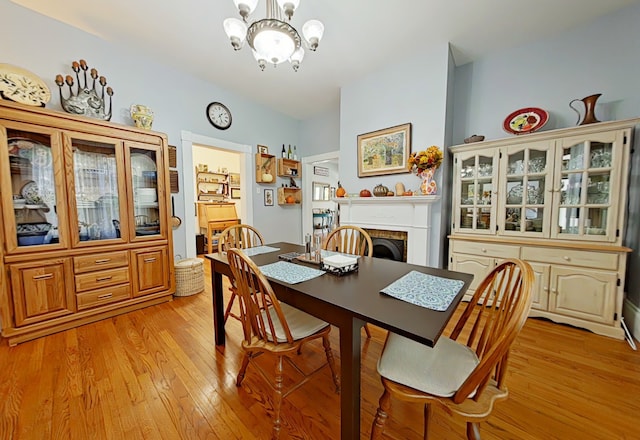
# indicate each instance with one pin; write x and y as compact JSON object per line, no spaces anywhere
{"x":411,"y":214}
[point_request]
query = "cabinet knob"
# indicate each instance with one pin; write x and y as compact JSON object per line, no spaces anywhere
{"x":554,"y":291}
{"x":545,"y":289}
{"x":566,"y":258}
{"x":483,"y":250}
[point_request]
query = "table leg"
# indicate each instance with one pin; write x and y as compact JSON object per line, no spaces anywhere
{"x":218,"y":306}
{"x":350,"y":379}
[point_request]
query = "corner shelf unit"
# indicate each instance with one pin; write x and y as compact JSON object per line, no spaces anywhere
{"x":212,"y":186}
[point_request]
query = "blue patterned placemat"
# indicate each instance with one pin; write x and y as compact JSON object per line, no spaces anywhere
{"x":250,"y":252}
{"x":289,"y":272}
{"x":424,"y":290}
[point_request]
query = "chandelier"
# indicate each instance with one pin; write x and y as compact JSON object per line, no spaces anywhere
{"x":272,"y":39}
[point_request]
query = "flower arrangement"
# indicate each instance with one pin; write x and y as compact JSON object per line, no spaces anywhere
{"x":431,"y":158}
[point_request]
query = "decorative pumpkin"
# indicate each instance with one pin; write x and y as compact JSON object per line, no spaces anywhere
{"x":380,"y":191}
{"x":290,"y":199}
{"x":407,"y":193}
{"x":365,"y":193}
{"x":266,"y":177}
{"x":340,"y":192}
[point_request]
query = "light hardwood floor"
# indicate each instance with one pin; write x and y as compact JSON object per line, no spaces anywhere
{"x":155,"y":374}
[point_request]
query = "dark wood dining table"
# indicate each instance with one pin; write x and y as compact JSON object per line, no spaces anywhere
{"x":347,"y":302}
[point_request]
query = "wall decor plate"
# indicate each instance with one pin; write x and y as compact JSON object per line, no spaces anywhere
{"x":525,"y":120}
{"x":20,"y":85}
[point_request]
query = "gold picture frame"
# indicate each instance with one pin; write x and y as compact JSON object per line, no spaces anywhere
{"x":384,"y":151}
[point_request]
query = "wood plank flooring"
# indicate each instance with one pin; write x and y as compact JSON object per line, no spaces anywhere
{"x":155,"y":374}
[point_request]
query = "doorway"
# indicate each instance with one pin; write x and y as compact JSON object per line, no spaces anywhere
{"x":189,"y":141}
{"x":319,"y":169}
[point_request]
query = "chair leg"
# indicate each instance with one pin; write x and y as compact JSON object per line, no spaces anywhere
{"x":427,"y":417}
{"x":243,"y":369}
{"x":381,"y":415}
{"x":473,"y":431}
{"x":331,"y":362}
{"x":277,"y":401}
{"x":367,"y":331}
{"x":227,"y":312}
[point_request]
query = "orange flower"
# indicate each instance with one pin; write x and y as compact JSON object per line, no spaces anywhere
{"x":423,"y":160}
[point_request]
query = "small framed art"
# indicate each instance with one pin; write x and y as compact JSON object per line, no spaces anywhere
{"x":263,"y":149}
{"x":268,"y":197}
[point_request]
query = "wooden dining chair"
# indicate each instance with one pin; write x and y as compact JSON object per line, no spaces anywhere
{"x":465,"y":372}
{"x":274,"y":329}
{"x":350,"y":240}
{"x":240,"y":236}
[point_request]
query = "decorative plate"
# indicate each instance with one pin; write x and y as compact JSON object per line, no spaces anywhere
{"x":525,"y":120}
{"x":31,"y":193}
{"x":141,"y":163}
{"x":20,"y":85}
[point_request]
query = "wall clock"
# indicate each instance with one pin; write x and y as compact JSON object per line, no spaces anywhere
{"x":219,"y":115}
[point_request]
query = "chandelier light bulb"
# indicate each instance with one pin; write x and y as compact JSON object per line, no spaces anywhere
{"x":288,"y":6}
{"x":296,"y":58}
{"x":313,"y":31}
{"x":245,"y":7}
{"x":236,"y":30}
{"x":262,"y":63}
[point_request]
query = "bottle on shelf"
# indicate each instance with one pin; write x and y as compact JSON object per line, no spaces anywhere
{"x":295,"y":153}
{"x":289,"y":153}
{"x":284,"y":152}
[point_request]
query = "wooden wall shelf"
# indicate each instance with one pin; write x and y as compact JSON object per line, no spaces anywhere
{"x":265,"y":168}
{"x":284,"y":192}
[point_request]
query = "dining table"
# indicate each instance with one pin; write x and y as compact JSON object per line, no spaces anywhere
{"x":347,"y":302}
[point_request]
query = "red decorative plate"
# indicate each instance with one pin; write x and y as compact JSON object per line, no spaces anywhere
{"x":525,"y":120}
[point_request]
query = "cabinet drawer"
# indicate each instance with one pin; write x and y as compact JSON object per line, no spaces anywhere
{"x":103,"y":278}
{"x":486,"y":249}
{"x":100,"y":297}
{"x":107,"y":260}
{"x":571,"y":257}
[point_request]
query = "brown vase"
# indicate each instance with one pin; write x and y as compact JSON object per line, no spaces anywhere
{"x":589,"y":109}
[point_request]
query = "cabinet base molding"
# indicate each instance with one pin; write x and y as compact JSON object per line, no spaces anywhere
{"x":600,"y":329}
{"x":15,"y":336}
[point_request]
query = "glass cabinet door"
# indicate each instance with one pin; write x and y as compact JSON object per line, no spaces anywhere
{"x":527,"y":185}
{"x":98,"y":197}
{"x":34,"y":205}
{"x":146,"y":192}
{"x":587,"y":172}
{"x":476,"y":175}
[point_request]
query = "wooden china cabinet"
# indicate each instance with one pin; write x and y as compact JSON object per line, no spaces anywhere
{"x":85,"y":220}
{"x":556,"y":199}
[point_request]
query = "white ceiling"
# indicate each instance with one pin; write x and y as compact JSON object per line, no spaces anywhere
{"x":360,"y":37}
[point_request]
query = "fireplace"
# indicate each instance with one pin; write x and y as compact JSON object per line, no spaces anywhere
{"x":389,"y":244}
{"x":398,"y":218}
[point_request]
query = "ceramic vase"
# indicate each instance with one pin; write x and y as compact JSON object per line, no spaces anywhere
{"x":428,"y":186}
{"x":142,"y":116}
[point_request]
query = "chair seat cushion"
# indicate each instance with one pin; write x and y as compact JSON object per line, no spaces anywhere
{"x":300,"y":323}
{"x":439,"y":370}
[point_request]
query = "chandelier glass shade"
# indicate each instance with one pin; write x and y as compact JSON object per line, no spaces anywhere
{"x":272,"y":39}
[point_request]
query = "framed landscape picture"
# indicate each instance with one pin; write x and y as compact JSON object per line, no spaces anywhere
{"x":384,"y":151}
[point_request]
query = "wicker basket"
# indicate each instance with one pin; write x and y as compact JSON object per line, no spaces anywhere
{"x":189,"y":276}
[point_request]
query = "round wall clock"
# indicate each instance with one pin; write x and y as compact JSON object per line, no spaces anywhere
{"x":219,"y":115}
{"x":20,"y":85}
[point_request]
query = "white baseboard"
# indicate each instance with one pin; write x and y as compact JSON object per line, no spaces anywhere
{"x":631,"y":314}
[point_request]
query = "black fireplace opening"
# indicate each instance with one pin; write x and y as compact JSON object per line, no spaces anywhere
{"x":388,"y":248}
